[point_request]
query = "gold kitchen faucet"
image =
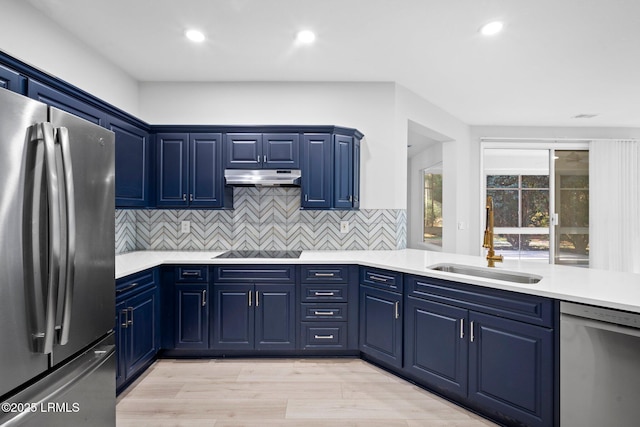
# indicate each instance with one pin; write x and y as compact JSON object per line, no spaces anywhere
{"x":488,"y":236}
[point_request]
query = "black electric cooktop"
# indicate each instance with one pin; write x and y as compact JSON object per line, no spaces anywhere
{"x":260,"y":254}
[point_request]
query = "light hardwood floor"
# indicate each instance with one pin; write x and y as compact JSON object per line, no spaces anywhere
{"x":282,"y":392}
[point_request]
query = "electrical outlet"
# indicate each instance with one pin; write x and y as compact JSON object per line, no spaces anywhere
{"x":185,"y":226}
{"x":344,"y":227}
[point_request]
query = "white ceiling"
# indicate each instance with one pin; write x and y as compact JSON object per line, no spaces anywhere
{"x":555,"y":58}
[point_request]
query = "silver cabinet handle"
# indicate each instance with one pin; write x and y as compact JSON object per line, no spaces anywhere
{"x":190,"y":273}
{"x":184,"y":196}
{"x":204,"y":297}
{"x":324,"y":294}
{"x":323,"y":337}
{"x":125,"y":312}
{"x":191,"y":197}
{"x":306,"y":197}
{"x":397,"y":307}
{"x":378,"y":278}
{"x":461,"y":328}
{"x":257,"y":298}
{"x":128,"y":288}
{"x":471,"y":337}
{"x":264,"y":158}
{"x":323,"y":274}
{"x":250,"y":302}
{"x":130,"y":321}
{"x":323,"y":313}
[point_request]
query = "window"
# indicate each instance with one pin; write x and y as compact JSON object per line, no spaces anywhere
{"x":541,"y":201}
{"x":432,"y":212}
{"x":521,"y":214}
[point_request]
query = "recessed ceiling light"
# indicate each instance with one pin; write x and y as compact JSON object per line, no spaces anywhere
{"x":491,"y":28}
{"x":305,"y":37}
{"x":195,"y":36}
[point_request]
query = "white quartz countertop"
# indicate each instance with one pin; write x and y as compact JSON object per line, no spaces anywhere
{"x":583,"y":285}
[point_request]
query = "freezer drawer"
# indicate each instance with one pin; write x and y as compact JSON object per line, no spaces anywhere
{"x":79,"y":393}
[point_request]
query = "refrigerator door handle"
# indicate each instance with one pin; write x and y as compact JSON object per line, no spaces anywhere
{"x":44,"y":295}
{"x":69,"y":225}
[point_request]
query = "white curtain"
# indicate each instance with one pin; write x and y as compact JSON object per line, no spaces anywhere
{"x":614,"y":205}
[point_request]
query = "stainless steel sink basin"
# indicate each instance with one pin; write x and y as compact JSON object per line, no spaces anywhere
{"x":487,"y":273}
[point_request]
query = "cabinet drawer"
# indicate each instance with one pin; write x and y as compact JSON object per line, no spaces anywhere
{"x":324,"y":293}
{"x":513,"y":305}
{"x":383,"y":279}
{"x":194,"y":273}
{"x":324,"y":312}
{"x":323,"y":335}
{"x":281,"y":274}
{"x":325,"y":274}
{"x":134,"y":283}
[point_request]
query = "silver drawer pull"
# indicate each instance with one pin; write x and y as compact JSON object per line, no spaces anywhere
{"x":323,"y":313}
{"x":131,"y":286}
{"x":190,"y":273}
{"x":323,"y":337}
{"x":324,"y":294}
{"x":378,"y":278}
{"x":324,"y":274}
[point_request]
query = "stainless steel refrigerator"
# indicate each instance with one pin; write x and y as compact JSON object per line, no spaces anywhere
{"x":57,"y":264}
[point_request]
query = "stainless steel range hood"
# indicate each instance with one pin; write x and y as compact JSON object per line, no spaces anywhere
{"x":263,"y":177}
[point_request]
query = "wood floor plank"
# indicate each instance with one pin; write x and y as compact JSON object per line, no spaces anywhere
{"x":282,"y":392}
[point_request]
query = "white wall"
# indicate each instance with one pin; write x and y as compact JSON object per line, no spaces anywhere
{"x":368,"y":107}
{"x":28,"y":35}
{"x":455,"y":162}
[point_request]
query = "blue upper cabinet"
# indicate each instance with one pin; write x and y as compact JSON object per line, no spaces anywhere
{"x":243,"y":151}
{"x":316,"y":171}
{"x":190,"y":171}
{"x":12,"y":80}
{"x":173,"y":166}
{"x":281,"y":151}
{"x":331,"y":171}
{"x":262,"y":151}
{"x":55,"y":98}
{"x":133,"y":155}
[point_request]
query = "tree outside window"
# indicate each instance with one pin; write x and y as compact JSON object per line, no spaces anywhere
{"x":432,"y":224}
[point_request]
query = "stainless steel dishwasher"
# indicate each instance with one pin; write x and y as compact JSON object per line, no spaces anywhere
{"x":599,"y":367}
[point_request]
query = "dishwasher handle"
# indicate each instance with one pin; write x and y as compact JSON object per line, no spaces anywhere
{"x":596,"y":324}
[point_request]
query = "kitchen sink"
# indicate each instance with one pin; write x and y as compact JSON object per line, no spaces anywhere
{"x":487,"y":273}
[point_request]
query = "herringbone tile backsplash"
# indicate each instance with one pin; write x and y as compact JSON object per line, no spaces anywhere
{"x":262,"y":218}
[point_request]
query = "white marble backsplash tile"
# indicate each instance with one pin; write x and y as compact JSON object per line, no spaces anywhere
{"x":262,"y":218}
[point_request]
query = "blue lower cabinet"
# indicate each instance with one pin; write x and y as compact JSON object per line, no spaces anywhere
{"x":436,"y":347}
{"x":137,"y":334}
{"x":381,"y":325}
{"x":511,"y":369}
{"x":191,"y":316}
{"x":250,"y":316}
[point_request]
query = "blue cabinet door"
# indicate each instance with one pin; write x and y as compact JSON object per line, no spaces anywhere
{"x":381,"y":325}
{"x":355,"y":203}
{"x":281,"y":151}
{"x":511,"y":369}
{"x":243,"y":151}
{"x":205,"y":170}
{"x":233,"y":318}
{"x":317,"y":169}
{"x":12,"y":81}
{"x":343,"y":172}
{"x":133,"y":163}
{"x":142,"y":332}
{"x":275,"y":307}
{"x":191,"y":316}
{"x":436,"y":345}
{"x":55,"y":98}
{"x":173,"y":166}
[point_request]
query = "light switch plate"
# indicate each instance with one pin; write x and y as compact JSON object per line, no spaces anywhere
{"x":185,"y":226}
{"x":344,"y":227}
